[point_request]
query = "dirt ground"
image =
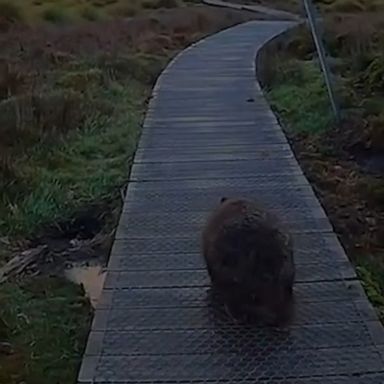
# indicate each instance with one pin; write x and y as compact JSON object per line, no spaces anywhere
{"x":346,"y":190}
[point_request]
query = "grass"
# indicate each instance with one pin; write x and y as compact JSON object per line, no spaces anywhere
{"x":370,"y":271}
{"x":329,"y":6}
{"x":90,"y":13}
{"x":56,"y":14}
{"x":352,"y":6}
{"x":46,"y":320}
{"x":90,"y":162}
{"x":156,"y":4}
{"x":11,"y":11}
{"x":299,"y":96}
{"x":63,"y":164}
{"x":47,"y":340}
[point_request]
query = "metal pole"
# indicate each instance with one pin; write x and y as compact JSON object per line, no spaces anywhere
{"x":321,"y":52}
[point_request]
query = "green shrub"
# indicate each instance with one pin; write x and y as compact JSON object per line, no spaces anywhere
{"x":10,"y":11}
{"x":155,"y":4}
{"x":346,"y":6}
{"x":12,"y":80}
{"x":142,"y":67}
{"x":103,"y":3}
{"x":90,"y":13}
{"x":149,"y":4}
{"x":299,"y":95}
{"x":374,"y":74}
{"x":47,"y":320}
{"x":127,"y":10}
{"x":375,"y":191}
{"x":56,"y":15}
{"x":82,"y":80}
{"x":168,"y":3}
{"x":33,"y":118}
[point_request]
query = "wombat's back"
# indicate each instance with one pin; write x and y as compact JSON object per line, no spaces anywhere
{"x":248,"y":256}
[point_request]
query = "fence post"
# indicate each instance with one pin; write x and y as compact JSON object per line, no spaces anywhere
{"x":309,"y":8}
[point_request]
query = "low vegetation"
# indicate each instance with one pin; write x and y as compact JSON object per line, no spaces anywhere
{"x":71,"y":147}
{"x":305,"y":107}
{"x":344,"y":162}
{"x":47,"y":324}
{"x":68,"y":11}
{"x":326,"y":6}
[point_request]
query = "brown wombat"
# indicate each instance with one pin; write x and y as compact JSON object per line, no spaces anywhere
{"x":250,"y":261}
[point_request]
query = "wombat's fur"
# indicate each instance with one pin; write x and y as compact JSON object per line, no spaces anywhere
{"x":250,"y":261}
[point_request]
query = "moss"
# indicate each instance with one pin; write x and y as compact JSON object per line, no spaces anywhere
{"x":299,"y":95}
{"x":11,"y":12}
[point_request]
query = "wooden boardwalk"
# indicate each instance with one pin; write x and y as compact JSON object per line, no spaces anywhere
{"x":210,"y":133}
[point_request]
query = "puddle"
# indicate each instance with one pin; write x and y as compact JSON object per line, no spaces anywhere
{"x":91,"y":277}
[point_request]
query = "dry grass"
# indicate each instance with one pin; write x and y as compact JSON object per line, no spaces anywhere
{"x":352,"y":6}
{"x":67,"y":11}
{"x":10,"y":11}
{"x":38,"y":101}
{"x":329,"y":6}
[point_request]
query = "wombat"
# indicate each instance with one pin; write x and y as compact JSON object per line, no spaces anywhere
{"x":250,"y":261}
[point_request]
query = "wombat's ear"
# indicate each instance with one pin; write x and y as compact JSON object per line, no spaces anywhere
{"x":223,"y":199}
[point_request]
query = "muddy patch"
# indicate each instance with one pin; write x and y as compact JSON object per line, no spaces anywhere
{"x":78,"y":249}
{"x":91,"y":277}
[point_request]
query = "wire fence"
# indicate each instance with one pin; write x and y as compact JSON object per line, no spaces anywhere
{"x":313,"y":18}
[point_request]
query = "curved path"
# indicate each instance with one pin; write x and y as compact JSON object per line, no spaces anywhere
{"x":209,"y":133}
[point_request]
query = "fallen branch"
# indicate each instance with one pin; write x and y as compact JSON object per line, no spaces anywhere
{"x":17,"y":265}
